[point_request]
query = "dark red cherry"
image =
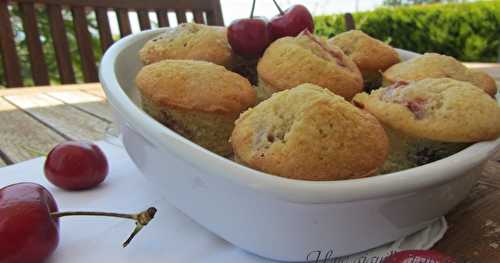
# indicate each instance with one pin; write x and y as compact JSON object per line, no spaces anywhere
{"x":291,"y":22}
{"x":76,"y":165}
{"x":28,"y":234}
{"x":29,"y":223}
{"x":249,"y":37}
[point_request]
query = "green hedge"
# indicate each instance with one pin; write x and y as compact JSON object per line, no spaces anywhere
{"x":469,"y":32}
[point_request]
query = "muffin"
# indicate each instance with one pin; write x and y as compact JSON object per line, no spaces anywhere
{"x":430,"y":119}
{"x":371,"y":55}
{"x":193,"y":41}
{"x":291,"y":61}
{"x":309,"y":133}
{"x":197,"y":99}
{"x":432,"y":65}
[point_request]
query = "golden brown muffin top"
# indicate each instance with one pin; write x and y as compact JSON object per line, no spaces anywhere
{"x":368,"y":53}
{"x":438,"y":109}
{"x":310,"y":133}
{"x":291,"y":61}
{"x":195,"y":85}
{"x":432,"y":65}
{"x":189,"y":41}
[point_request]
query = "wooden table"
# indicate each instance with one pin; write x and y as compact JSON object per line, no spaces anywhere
{"x":35,"y":119}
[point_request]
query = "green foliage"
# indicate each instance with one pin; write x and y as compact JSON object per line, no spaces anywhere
{"x":47,"y":44}
{"x":417,"y":2}
{"x":468,"y":32}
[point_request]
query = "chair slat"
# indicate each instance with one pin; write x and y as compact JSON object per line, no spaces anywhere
{"x":60,"y":40}
{"x":181,"y":16}
{"x":84,"y":44}
{"x":123,"y":21}
{"x":162,"y":18}
{"x":104,"y":29}
{"x":214,"y":15}
{"x":39,"y":69}
{"x":10,"y":60}
{"x":144,"y":22}
{"x":198,"y":17}
{"x":349,"y":22}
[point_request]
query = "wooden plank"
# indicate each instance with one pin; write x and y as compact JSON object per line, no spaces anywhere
{"x":133,"y":4}
{"x":96,"y":92}
{"x":198,"y":17}
{"x":61,"y":47}
{"x":69,"y":121}
{"x":91,"y":104}
{"x":162,"y":18}
{"x":84,"y":44}
{"x":474,"y":232}
{"x":39,"y":68}
{"x":10,"y":60}
{"x":105,"y":35}
{"x":181,"y":16}
{"x":41,"y":89}
{"x":85,"y":101}
{"x":21,"y":134}
{"x":144,"y":22}
{"x":123,"y":21}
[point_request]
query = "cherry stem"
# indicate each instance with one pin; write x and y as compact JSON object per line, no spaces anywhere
{"x":253,"y":8}
{"x":141,"y":219}
{"x":279,"y":8}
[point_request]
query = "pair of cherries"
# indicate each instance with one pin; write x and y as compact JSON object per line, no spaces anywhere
{"x":249,"y":37}
{"x":29,"y":217}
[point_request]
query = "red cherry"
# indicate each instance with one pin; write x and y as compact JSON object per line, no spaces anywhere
{"x":76,"y":165}
{"x":29,"y":223}
{"x":419,"y":256}
{"x":248,"y":37}
{"x":291,"y":22}
{"x":28,"y":234}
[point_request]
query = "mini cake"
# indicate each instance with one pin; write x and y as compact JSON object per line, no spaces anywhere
{"x":371,"y":55}
{"x":432,"y":65}
{"x":193,"y":41}
{"x":291,"y":61}
{"x":430,"y":119}
{"x":199,"y":100}
{"x":309,"y":133}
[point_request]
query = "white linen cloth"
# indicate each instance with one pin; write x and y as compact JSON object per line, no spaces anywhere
{"x":170,"y":237}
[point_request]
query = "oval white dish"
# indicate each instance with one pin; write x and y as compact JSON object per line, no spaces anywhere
{"x":276,"y":217}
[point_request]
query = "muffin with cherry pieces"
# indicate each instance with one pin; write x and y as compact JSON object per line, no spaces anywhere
{"x":371,"y":55}
{"x":430,"y":119}
{"x":199,"y":100}
{"x":309,"y":133}
{"x":193,"y":41}
{"x":432,"y":65}
{"x":291,"y":61}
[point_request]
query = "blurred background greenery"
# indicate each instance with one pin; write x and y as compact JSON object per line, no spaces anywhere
{"x":467,"y":31}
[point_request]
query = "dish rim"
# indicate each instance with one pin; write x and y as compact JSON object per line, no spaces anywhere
{"x":299,"y":191}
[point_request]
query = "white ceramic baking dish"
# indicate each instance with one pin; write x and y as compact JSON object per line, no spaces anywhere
{"x":275,"y":217}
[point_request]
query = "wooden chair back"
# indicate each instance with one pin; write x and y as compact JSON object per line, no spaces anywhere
{"x":204,"y":11}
